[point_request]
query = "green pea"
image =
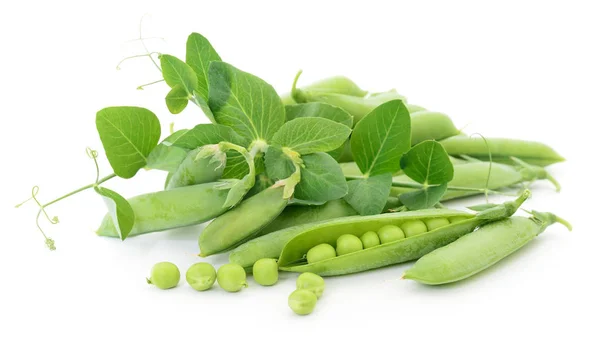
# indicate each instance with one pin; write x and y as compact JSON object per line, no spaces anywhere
{"x":311,"y":282}
{"x":164,"y":275}
{"x":319,"y":253}
{"x":201,"y":276}
{"x":369,"y":239}
{"x":265,"y":272}
{"x":231,"y":277}
{"x":348,"y":243}
{"x":459,"y":218}
{"x":302,"y":301}
{"x":436,"y":223}
{"x":414,"y":227}
{"x":390,"y":233}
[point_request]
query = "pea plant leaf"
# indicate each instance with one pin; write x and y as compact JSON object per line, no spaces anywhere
{"x":204,"y":134}
{"x":176,"y":72}
{"x":369,"y":195}
{"x":203,"y":104}
{"x":318,"y":110}
{"x":236,"y":167}
{"x":278,"y":165}
{"x":423,"y":198}
{"x":128,"y":135}
{"x":428,"y":163}
{"x":198,"y":55}
{"x":381,"y":138}
{"x":321,"y":180}
{"x":119,"y":210}
{"x":311,"y":135}
{"x":177,"y":99}
{"x":244,"y":102}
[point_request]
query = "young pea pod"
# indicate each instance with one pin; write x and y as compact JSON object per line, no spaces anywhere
{"x":197,"y":170}
{"x":336,"y":85}
{"x":168,"y":209}
{"x":502,"y":150}
{"x":405,"y":248}
{"x":479,"y":250}
{"x":242,"y":222}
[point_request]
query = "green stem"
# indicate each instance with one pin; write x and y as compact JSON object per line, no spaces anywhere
{"x":83,"y":188}
{"x":297,"y":95}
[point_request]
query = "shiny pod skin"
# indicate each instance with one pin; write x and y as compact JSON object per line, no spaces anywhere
{"x":479,"y":250}
{"x":242,"y":222}
{"x":194,"y":171}
{"x":168,"y":209}
{"x":502,"y":149}
{"x":427,"y":125}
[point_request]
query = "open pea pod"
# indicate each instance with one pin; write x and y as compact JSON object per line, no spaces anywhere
{"x":293,"y":255}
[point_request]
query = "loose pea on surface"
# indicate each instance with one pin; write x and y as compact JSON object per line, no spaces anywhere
{"x":201,"y":276}
{"x":164,"y":275}
{"x":348,"y":243}
{"x":265,"y":272}
{"x":414,"y":227}
{"x":320,"y":252}
{"x":369,"y":239}
{"x":390,"y":233}
{"x":311,"y":282}
{"x":302,"y":301}
{"x":436,"y":223}
{"x":231,"y":277}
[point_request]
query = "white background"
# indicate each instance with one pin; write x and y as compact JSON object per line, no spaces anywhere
{"x":519,"y":69}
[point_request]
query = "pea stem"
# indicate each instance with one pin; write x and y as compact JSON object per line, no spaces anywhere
{"x":83,"y":188}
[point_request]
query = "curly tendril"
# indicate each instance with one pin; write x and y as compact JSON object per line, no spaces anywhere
{"x":53,"y":220}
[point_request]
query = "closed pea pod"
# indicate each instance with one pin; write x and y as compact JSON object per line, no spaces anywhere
{"x":196,"y":170}
{"x":426,"y":125}
{"x":336,"y":84}
{"x":178,"y":207}
{"x":242,"y":222}
{"x":293,"y":253}
{"x":479,"y":250}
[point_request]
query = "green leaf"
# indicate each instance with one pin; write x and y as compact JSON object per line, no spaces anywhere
{"x":204,"y":134}
{"x":244,"y":102}
{"x":236,"y":167}
{"x":238,"y":190}
{"x":166,"y":158}
{"x":119,"y":209}
{"x":428,"y":163}
{"x":128,"y":135}
{"x":177,"y":99}
{"x":381,"y":138}
{"x":278,"y":165}
{"x":176,"y":72}
{"x":424,"y":198}
{"x":368,"y":196}
{"x":202,"y":103}
{"x":311,"y":135}
{"x":321,"y":179}
{"x":318,"y":110}
{"x":199,"y":53}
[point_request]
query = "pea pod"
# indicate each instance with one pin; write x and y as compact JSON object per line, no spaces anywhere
{"x":351,"y":170}
{"x":293,"y":255}
{"x":335,"y":84}
{"x":193,"y":170}
{"x":168,"y":209}
{"x":242,"y":222}
{"x":502,"y":150}
{"x":479,"y":250}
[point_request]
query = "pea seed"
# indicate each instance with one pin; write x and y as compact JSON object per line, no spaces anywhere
{"x":455,"y":219}
{"x":414,"y":227}
{"x":390,"y":233}
{"x":231,"y":277}
{"x":164,"y":275}
{"x":311,"y":282}
{"x":201,"y":276}
{"x":348,"y":243}
{"x":320,"y":252}
{"x":302,"y":301}
{"x":369,"y":239}
{"x":436,"y":223}
{"x":265,"y":272}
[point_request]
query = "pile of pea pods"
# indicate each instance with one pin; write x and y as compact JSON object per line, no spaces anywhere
{"x":326,"y":180}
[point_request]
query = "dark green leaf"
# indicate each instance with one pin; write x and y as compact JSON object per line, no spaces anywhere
{"x":199,"y":53}
{"x":311,"y":135}
{"x":381,"y":138}
{"x":177,"y":72}
{"x":128,"y":135}
{"x":277,"y":165}
{"x":244,"y":102}
{"x":321,"y":179}
{"x":369,"y":196}
{"x":166,"y":158}
{"x":318,"y":110}
{"x":177,"y":99}
{"x":428,"y":163}
{"x":119,"y":209}
{"x":424,"y":198}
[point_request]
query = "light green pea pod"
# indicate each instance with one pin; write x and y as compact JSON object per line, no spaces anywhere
{"x":351,"y":170}
{"x":242,"y":222}
{"x":168,"y":209}
{"x":336,"y":85}
{"x":502,"y":150}
{"x":426,"y":125}
{"x":477,"y":251}
{"x":197,"y":170}
{"x":293,"y":255}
